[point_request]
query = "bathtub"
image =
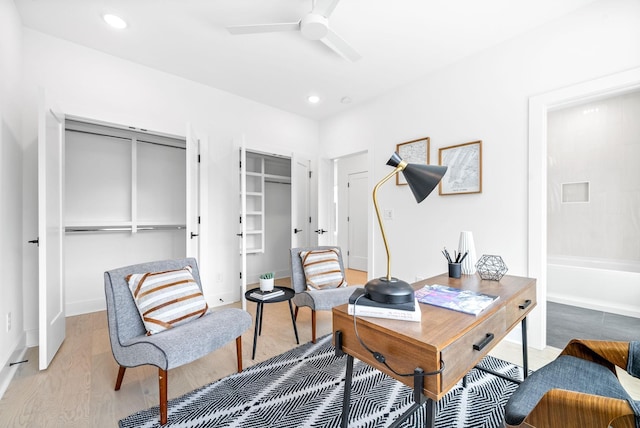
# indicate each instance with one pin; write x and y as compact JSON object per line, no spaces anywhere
{"x":603,"y":285}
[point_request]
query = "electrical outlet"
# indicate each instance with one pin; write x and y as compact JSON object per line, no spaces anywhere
{"x":8,"y":321}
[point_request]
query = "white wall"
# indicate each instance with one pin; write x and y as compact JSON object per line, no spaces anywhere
{"x":11,"y":243}
{"x":90,"y":84}
{"x":483,"y":97}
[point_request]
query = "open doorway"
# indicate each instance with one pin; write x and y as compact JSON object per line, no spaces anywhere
{"x":351,"y":195}
{"x":539,"y":107}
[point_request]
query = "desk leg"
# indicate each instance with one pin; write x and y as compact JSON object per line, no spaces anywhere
{"x":346,"y":399}
{"x":418,"y":384}
{"x":525,"y":351}
{"x":293,"y":320}
{"x":258,"y":327}
{"x":431,"y":413}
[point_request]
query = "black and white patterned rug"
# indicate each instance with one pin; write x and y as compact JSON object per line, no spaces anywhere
{"x":303,"y":388}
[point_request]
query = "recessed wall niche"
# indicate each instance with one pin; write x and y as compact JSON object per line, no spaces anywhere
{"x":575,"y":192}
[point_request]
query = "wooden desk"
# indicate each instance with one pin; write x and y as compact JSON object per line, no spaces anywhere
{"x":443,"y":335}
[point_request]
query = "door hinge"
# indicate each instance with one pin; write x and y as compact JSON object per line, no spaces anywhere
{"x":309,"y":219}
{"x":198,"y":219}
{"x":240,"y":219}
{"x":198,"y":158}
{"x":309,"y":174}
{"x":347,"y":218}
{"x":240,"y":275}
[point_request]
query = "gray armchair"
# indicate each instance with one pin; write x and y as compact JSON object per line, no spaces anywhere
{"x":317,"y":300}
{"x":174,"y":347}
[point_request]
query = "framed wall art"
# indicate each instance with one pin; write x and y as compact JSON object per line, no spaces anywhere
{"x":416,"y":151}
{"x":464,"y":173}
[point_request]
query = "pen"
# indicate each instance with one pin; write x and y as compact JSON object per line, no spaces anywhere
{"x":446,"y":254}
{"x":465,"y":255}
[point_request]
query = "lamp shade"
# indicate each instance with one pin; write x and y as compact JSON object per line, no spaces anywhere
{"x":422,"y":179}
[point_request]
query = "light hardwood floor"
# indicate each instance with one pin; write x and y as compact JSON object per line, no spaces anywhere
{"x":77,"y":389}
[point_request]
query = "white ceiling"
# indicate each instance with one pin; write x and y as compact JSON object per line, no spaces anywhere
{"x":399,"y":40}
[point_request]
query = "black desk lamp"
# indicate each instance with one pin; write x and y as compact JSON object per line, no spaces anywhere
{"x":422,"y":179}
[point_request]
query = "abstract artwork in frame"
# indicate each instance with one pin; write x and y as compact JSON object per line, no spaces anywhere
{"x":464,"y":173}
{"x":415,"y":151}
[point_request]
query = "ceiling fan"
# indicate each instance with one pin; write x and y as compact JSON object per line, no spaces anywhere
{"x":313,"y":26}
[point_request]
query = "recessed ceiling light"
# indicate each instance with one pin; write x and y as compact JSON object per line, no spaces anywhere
{"x":313,"y":99}
{"x":114,"y":21}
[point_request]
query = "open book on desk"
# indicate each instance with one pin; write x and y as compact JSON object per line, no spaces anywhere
{"x":467,"y":301}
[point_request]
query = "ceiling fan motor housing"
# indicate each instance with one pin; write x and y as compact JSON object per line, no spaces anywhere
{"x":314,"y":26}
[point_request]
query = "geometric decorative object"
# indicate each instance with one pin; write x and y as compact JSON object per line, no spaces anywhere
{"x":465,"y":245}
{"x":491,"y":267}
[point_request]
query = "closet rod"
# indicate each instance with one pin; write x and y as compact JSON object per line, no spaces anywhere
{"x":72,"y":229}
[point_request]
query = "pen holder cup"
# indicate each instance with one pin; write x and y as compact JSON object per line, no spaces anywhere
{"x":455,"y":270}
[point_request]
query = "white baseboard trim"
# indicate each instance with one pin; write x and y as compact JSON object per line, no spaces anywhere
{"x":628,"y":311}
{"x":32,"y":338}
{"x":8,"y":371}
{"x":85,"y":307}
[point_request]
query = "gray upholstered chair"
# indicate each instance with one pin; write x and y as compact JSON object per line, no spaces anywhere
{"x":317,"y":300}
{"x":174,"y":347}
{"x":579,"y":389}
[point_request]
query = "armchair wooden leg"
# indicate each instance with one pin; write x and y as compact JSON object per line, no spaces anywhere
{"x":239,"y":352}
{"x":295,"y":314}
{"x":313,"y":326}
{"x":119,"y":378}
{"x":162,"y":384}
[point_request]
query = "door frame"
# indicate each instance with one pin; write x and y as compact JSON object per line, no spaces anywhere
{"x":239,"y":143}
{"x":539,"y":106}
{"x":329,"y":192}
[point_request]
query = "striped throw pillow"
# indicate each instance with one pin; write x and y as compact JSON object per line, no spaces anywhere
{"x":322,"y":269}
{"x":167,"y":299}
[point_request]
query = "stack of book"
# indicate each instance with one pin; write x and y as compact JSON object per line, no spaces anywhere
{"x":265,"y":295}
{"x":366,"y":307}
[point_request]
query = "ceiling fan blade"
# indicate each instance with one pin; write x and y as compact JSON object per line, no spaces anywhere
{"x":340,"y":47}
{"x":263,"y":28}
{"x":324,"y":7}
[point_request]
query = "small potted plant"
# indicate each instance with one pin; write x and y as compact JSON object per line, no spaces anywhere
{"x":266,"y":281}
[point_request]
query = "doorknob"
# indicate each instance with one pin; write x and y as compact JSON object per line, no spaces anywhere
{"x":320,"y":231}
{"x":35,"y":241}
{"x":296,"y":230}
{"x":193,"y":235}
{"x":239,"y":234}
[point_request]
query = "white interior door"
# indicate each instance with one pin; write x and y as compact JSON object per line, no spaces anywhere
{"x":300,"y":209}
{"x":243,"y":224}
{"x":193,"y":194}
{"x":52,"y":323}
{"x":357,"y":193}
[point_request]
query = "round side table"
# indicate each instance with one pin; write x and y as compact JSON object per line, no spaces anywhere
{"x":287,"y":296}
